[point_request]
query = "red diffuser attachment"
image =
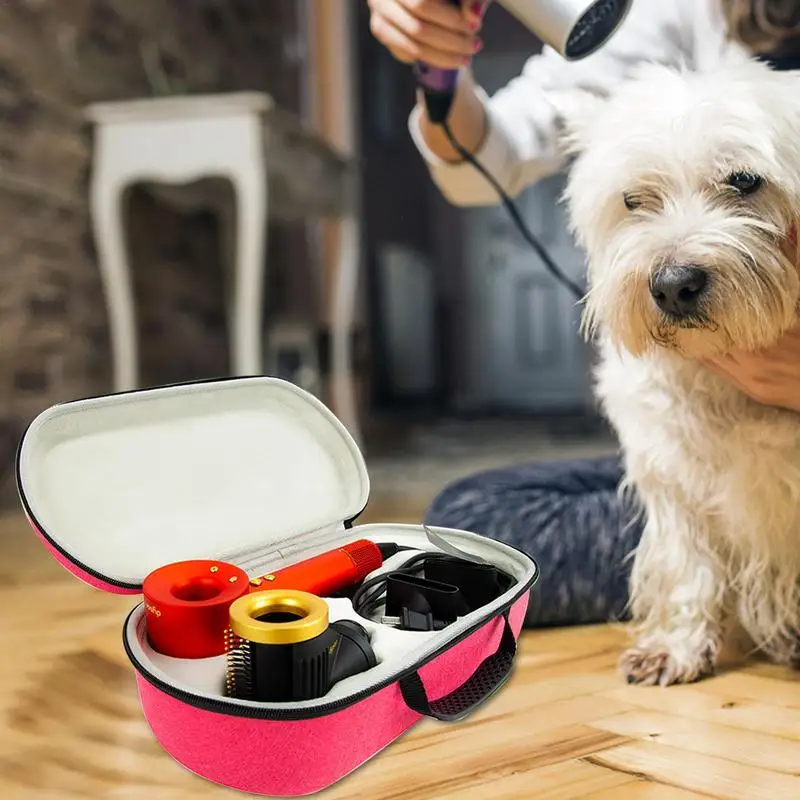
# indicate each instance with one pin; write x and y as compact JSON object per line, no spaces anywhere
{"x":188,"y":602}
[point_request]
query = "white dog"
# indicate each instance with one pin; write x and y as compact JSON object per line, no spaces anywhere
{"x":685,"y":194}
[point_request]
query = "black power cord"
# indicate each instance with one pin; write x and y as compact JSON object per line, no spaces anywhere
{"x":389,"y":549}
{"x":438,"y":107}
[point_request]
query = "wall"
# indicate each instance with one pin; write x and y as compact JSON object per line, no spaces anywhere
{"x":405,"y":207}
{"x":336,"y":74}
{"x":501,"y":34}
{"x":56,"y":56}
{"x":396,"y":186}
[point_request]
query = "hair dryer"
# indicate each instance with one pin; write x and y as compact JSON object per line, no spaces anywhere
{"x":573,"y":28}
{"x":187,"y":603}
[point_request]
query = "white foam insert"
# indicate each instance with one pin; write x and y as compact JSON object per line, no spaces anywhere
{"x":244,"y":469}
{"x":207,"y":675}
{"x":395,"y":650}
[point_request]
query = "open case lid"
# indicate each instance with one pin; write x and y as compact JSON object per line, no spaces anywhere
{"x":125,"y":483}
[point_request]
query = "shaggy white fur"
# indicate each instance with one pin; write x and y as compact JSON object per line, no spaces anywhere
{"x":701,"y":172}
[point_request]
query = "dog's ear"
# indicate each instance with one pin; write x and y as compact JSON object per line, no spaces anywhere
{"x":577,"y":111}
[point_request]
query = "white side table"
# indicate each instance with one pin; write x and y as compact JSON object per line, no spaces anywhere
{"x":176,"y":141}
{"x":172,"y":141}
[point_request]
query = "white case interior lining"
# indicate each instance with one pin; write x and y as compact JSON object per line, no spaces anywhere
{"x":249,"y":471}
{"x":253,"y":471}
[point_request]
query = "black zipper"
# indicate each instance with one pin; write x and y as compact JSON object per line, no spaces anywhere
{"x":220,"y":706}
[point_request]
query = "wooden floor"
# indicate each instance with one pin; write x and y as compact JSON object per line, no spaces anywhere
{"x":565,"y":726}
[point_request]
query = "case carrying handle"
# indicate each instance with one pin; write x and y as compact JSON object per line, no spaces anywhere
{"x":488,"y":679}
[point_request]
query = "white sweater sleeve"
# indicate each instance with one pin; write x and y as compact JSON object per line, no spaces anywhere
{"x":521,"y":144}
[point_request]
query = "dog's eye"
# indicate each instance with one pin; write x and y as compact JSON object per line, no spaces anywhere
{"x":744,"y":182}
{"x":631,"y":201}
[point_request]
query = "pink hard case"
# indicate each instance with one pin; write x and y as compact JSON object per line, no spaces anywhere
{"x":257,"y":472}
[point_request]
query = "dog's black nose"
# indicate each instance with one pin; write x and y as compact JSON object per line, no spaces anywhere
{"x":677,"y":289}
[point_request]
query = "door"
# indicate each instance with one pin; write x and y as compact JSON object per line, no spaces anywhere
{"x":526,"y":352}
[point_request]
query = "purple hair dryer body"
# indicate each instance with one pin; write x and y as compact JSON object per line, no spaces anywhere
{"x":439,"y":85}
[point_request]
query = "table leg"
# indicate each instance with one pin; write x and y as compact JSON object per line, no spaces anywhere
{"x":108,"y":224}
{"x":343,"y":395}
{"x":248,"y":291}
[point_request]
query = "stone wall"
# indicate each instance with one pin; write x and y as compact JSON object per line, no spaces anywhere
{"x":55,"y":57}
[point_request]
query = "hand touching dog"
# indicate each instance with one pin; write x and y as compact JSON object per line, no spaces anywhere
{"x":770,"y":376}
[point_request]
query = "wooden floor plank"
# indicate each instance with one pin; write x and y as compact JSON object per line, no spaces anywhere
{"x":783,"y":691}
{"x":567,"y":780}
{"x":698,"y":704}
{"x":700,"y":773}
{"x":734,"y":744}
{"x":645,"y":790}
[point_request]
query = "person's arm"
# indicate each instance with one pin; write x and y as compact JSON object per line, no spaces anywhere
{"x":515,"y":133}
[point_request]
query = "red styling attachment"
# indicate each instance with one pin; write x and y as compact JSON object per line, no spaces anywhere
{"x":187,"y":602}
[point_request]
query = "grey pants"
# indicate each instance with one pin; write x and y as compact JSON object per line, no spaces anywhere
{"x":569,"y":517}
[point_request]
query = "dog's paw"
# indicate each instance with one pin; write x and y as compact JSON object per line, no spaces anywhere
{"x":787,"y":654}
{"x":661,"y":668}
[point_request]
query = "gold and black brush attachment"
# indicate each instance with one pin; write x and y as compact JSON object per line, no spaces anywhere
{"x":281,"y":647}
{"x":237,"y":667}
